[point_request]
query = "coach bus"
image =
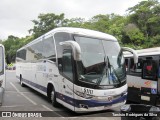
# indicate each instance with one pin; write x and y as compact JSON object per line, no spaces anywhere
{"x":81,"y":69}
{"x":2,"y":72}
{"x":143,"y":78}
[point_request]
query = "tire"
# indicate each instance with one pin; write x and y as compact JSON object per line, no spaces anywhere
{"x":53,"y":98}
{"x":21,"y":82}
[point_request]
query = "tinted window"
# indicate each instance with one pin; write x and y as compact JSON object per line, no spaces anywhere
{"x":34,"y":52}
{"x":21,"y":55}
{"x":149,"y":70}
{"x":61,"y":37}
{"x":126,"y":64}
{"x":49,"y":48}
{"x":67,"y":64}
{"x":134,"y":69}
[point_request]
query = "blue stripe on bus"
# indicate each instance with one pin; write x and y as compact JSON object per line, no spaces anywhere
{"x":89,"y":103}
{"x":40,"y":87}
{"x":75,"y":102}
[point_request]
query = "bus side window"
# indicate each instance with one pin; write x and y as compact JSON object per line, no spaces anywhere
{"x":67,"y":68}
{"x":135,"y":69}
{"x":149,"y":70}
{"x":126,"y":64}
{"x":49,"y":49}
{"x":131,"y":65}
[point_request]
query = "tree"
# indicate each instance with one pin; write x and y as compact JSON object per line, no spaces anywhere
{"x":10,"y":50}
{"x":12,"y":44}
{"x":146,"y":16}
{"x":46,"y":22}
{"x":132,"y":35}
{"x":98,"y":22}
{"x":75,"y":22}
{"x":116,"y":26}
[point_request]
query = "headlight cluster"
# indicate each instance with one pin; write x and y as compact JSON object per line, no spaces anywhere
{"x":99,"y":98}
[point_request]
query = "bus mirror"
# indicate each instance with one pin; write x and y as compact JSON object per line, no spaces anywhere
{"x":60,"y":67}
{"x":75,"y":47}
{"x":135,"y":55}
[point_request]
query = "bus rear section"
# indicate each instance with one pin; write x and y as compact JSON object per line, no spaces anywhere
{"x":2,"y":73}
{"x":143,"y":79}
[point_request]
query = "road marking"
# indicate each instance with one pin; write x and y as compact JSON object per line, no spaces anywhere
{"x":47,"y":108}
{"x":34,"y":103}
{"x":31,"y":101}
{"x":52,"y":110}
{"x":15,"y":92}
{"x":12,"y":106}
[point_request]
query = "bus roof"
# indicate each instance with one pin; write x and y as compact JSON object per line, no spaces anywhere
{"x":83,"y":31}
{"x":79,"y":31}
{"x":145,"y":52}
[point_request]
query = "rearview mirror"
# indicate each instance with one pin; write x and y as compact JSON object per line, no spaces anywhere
{"x":75,"y":47}
{"x":60,"y":67}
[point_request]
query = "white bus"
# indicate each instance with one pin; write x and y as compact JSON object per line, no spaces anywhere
{"x":143,"y":79}
{"x":2,"y":72}
{"x":81,"y":69}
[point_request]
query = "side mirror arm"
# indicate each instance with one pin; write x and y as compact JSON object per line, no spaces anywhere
{"x":135,"y":55}
{"x":75,"y":47}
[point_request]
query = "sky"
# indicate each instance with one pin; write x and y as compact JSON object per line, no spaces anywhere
{"x":16,"y":15}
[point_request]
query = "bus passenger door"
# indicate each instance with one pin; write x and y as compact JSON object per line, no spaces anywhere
{"x":67,"y":85}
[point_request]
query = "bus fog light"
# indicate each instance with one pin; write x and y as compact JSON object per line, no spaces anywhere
{"x":83,"y":106}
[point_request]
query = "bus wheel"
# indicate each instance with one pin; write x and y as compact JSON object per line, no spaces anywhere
{"x":53,"y":98}
{"x":21,"y":82}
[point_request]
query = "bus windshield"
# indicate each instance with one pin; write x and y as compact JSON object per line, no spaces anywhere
{"x":102,"y":61}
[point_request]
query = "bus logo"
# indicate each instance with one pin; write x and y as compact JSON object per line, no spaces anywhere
{"x":110,"y":98}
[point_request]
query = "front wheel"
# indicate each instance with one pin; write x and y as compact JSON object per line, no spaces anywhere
{"x":53,"y":98}
{"x":21,"y":82}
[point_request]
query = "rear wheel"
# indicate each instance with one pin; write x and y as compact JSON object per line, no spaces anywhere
{"x":21,"y":82}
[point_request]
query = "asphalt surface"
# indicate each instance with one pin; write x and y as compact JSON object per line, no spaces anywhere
{"x":19,"y":99}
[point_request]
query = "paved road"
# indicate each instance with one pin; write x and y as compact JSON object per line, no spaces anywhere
{"x":19,"y":98}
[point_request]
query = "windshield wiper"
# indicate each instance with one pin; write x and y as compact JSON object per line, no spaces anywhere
{"x":104,"y":71}
{"x":113,"y":70}
{"x":81,"y":77}
{"x":108,"y":66}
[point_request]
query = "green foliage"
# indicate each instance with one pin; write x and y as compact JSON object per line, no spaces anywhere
{"x":146,"y":16}
{"x":139,"y":29}
{"x":74,"y":22}
{"x":132,"y":35}
{"x":12,"y":44}
{"x":46,"y":22}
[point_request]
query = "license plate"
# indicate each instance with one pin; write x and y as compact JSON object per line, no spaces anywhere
{"x":146,"y":98}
